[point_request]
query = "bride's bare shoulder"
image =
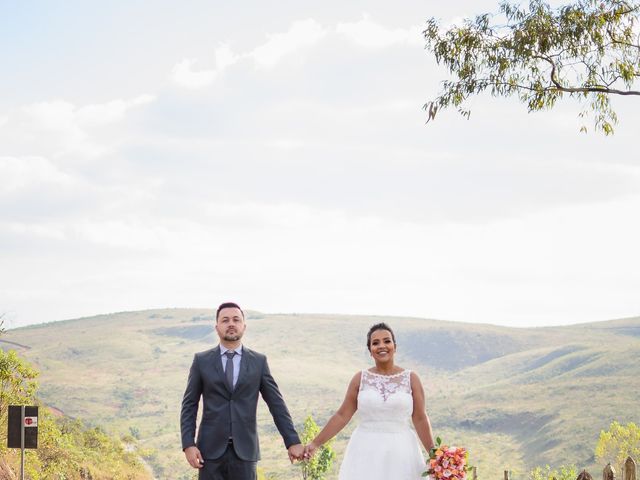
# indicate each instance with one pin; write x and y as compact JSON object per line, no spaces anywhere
{"x":355,"y":380}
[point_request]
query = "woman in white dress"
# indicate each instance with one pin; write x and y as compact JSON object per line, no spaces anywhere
{"x":388,"y":399}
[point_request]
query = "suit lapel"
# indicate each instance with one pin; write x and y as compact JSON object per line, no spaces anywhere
{"x":245,"y":360}
{"x":217,"y":366}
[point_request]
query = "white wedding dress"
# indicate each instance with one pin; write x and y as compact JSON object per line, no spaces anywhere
{"x":384,"y":446}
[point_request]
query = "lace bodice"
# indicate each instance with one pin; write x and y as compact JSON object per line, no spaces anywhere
{"x":385,"y":401}
{"x":386,"y":385}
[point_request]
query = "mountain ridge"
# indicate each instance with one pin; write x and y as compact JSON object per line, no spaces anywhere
{"x":512,"y":395}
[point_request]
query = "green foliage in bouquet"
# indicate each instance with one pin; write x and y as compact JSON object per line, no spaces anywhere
{"x":317,"y":467}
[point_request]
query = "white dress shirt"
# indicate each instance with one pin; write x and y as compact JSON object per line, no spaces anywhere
{"x":236,"y":361}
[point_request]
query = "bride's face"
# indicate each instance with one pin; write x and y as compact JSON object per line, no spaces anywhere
{"x":382,"y":347}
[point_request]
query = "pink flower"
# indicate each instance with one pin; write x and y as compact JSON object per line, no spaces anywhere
{"x":448,"y":463}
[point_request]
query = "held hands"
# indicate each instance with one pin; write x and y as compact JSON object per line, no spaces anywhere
{"x":309,"y":451}
{"x":194,"y":457}
{"x":296,"y":452}
{"x":302,"y":453}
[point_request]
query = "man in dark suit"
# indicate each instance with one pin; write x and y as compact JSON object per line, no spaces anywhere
{"x":229,"y":378}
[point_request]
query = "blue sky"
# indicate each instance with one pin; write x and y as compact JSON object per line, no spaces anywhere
{"x":277,"y":155}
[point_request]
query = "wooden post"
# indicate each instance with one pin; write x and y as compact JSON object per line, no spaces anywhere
{"x":608,"y":473}
{"x":584,"y":475}
{"x":475,"y":473}
{"x":22,"y":443}
{"x":506,"y":475}
{"x":629,"y":470}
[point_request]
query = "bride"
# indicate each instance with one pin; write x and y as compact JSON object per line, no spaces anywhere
{"x":387,"y":396}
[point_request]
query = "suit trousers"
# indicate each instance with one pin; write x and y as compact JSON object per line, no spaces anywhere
{"x":228,"y":467}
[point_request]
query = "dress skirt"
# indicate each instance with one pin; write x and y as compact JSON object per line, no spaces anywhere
{"x":377,"y":452}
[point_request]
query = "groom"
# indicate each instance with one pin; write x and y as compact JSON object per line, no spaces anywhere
{"x":229,"y":378}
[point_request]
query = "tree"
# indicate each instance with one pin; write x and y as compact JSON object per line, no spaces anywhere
{"x":17,"y":382}
{"x":588,"y":50}
{"x":618,"y":443}
{"x":316,"y":467}
{"x":565,"y":472}
{"x":66,"y":448}
{"x":17,"y":385}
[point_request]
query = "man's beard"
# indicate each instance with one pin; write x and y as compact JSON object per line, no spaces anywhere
{"x":232,"y":337}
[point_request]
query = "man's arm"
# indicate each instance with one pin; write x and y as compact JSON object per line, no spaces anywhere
{"x":190,"y":402}
{"x":272,"y":396}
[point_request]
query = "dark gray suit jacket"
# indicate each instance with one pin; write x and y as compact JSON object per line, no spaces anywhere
{"x":231,"y":414}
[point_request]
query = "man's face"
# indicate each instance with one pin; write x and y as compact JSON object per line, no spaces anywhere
{"x":230,"y":324}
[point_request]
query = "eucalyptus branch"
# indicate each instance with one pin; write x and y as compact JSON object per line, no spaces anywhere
{"x":617,"y":41}
{"x":582,"y":48}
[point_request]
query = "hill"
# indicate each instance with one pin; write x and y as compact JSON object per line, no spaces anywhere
{"x":516,"y":397}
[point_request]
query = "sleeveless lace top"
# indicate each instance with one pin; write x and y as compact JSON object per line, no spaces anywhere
{"x":385,"y":402}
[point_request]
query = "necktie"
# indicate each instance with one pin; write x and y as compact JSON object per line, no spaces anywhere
{"x":228,"y":371}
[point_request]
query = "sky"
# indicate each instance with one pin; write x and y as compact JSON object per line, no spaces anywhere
{"x":160,"y":155}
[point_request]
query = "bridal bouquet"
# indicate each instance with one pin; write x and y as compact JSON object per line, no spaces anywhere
{"x":447,"y":463}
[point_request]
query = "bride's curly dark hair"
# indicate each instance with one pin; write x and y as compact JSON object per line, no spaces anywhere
{"x":376,"y":327}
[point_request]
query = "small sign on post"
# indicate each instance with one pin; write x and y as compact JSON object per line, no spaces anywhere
{"x":16,"y":425}
{"x":22,"y":430}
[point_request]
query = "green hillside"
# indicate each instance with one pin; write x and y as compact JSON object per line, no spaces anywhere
{"x":516,"y":397}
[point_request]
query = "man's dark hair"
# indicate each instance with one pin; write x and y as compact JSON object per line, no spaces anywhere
{"x":228,"y":305}
{"x":375,"y":328}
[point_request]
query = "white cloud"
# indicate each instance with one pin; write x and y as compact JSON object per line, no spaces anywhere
{"x":60,"y":115}
{"x":109,"y":112}
{"x":302,"y":34}
{"x":29,"y":172}
{"x":370,"y":34}
{"x":120,"y":234}
{"x":184,"y":75}
{"x":54,"y":115}
{"x":286,"y":144}
{"x":47,"y":232}
{"x":56,"y":127}
{"x":225,"y":57}
{"x":54,"y":124}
